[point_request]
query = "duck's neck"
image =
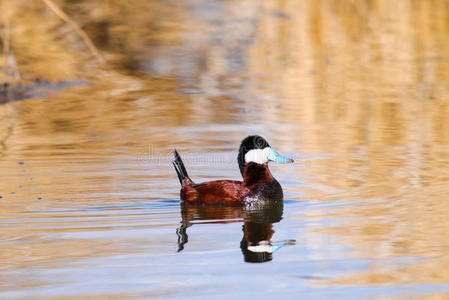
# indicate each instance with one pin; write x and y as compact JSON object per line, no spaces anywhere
{"x":256,"y":173}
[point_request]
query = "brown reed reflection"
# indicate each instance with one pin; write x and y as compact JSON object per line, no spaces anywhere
{"x":359,"y":86}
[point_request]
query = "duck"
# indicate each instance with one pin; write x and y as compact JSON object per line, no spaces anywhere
{"x":258,"y":184}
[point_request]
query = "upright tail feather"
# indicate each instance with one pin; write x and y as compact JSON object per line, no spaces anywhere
{"x":180,"y":168}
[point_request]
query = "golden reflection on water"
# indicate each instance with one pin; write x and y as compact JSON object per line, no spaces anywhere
{"x":362,"y":84}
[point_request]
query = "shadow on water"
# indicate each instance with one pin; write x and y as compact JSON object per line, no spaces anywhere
{"x":38,"y":89}
{"x":256,"y":244}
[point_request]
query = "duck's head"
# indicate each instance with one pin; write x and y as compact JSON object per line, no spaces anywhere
{"x":255,"y":148}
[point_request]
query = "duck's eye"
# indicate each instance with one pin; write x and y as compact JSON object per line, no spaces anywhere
{"x":259,"y":142}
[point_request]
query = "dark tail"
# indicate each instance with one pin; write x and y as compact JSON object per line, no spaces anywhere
{"x":180,"y":169}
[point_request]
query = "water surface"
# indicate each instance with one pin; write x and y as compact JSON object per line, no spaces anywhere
{"x":355,"y":92}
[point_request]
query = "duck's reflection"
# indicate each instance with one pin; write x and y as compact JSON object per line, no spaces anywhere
{"x":256,"y":244}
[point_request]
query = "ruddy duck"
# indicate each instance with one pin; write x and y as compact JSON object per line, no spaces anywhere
{"x":258,"y":184}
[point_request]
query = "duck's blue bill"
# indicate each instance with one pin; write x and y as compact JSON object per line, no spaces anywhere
{"x":276,"y":157}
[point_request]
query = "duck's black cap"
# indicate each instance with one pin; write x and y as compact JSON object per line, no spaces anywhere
{"x":249,"y":143}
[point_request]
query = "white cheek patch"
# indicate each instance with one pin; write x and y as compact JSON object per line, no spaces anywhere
{"x":259,"y":156}
{"x":261,"y":248}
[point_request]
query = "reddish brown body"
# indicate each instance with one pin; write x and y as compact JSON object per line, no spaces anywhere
{"x":257,"y":182}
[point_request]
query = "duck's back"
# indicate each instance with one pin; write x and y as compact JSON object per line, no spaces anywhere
{"x":228,"y":192}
